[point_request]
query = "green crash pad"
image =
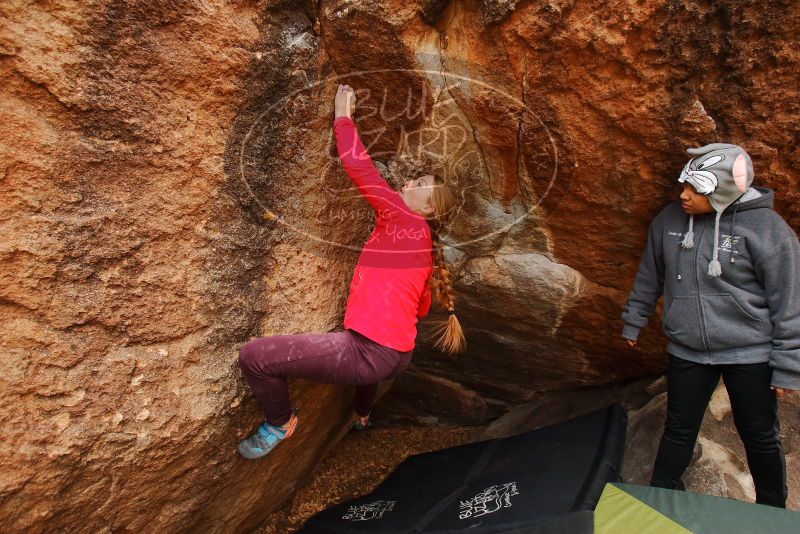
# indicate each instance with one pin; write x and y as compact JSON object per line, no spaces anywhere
{"x":626,"y":509}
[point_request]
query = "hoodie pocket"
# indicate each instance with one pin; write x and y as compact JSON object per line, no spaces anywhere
{"x":729,"y":325}
{"x":682,"y":323}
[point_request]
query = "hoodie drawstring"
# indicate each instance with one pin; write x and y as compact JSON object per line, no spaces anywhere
{"x":687,"y":242}
{"x":733,"y":230}
{"x":714,"y":267}
{"x":688,"y":239}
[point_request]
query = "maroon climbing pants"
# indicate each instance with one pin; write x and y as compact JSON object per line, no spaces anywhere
{"x":344,"y":358}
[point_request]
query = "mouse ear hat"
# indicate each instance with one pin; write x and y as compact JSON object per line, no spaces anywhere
{"x":722,"y":172}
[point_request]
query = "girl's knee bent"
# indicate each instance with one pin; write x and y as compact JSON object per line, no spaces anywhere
{"x":258,"y":356}
{"x":248,"y":355}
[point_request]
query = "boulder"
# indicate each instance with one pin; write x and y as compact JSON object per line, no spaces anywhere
{"x":170,"y":189}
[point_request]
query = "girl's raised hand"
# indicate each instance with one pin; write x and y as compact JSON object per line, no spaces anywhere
{"x":345,"y":101}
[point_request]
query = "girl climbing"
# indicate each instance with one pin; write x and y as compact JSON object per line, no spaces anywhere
{"x":400,"y":267}
{"x":731,"y":310}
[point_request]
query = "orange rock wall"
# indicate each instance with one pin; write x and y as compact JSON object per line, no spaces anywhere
{"x":144,"y":141}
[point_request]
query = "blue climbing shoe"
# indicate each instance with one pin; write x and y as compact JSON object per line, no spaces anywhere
{"x":265,"y":438}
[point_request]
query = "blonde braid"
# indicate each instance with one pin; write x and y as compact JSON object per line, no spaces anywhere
{"x":441,"y":276}
{"x":448,"y":333}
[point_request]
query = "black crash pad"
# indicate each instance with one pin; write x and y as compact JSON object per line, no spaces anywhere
{"x":546,"y":481}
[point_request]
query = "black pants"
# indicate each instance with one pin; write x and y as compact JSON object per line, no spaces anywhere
{"x":755,"y":413}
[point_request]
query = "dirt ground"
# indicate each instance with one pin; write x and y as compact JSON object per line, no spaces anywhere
{"x":360,"y":462}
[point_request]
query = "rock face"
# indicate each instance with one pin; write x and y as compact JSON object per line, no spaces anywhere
{"x":613,"y":93}
{"x":135,"y":263}
{"x":169,"y":189}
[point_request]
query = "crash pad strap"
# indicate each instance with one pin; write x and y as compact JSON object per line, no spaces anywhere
{"x":591,"y":483}
{"x":480,"y":464}
{"x":482,"y":461}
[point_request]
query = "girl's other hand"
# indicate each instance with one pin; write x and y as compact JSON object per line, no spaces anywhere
{"x":631,"y":342}
{"x":345,"y":101}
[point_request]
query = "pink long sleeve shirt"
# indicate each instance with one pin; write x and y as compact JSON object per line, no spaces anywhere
{"x":389,"y":290}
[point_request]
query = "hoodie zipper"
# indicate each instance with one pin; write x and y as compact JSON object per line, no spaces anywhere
{"x":703,"y":332}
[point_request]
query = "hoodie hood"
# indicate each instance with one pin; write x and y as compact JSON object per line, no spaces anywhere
{"x":765,"y":200}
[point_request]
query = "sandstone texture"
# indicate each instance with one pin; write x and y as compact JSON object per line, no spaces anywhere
{"x":613,"y":92}
{"x":169,"y":189}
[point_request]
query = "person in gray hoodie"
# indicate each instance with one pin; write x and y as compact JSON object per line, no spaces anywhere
{"x":728,"y":267}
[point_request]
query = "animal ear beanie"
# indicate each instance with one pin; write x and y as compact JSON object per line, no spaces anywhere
{"x":723,"y":173}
